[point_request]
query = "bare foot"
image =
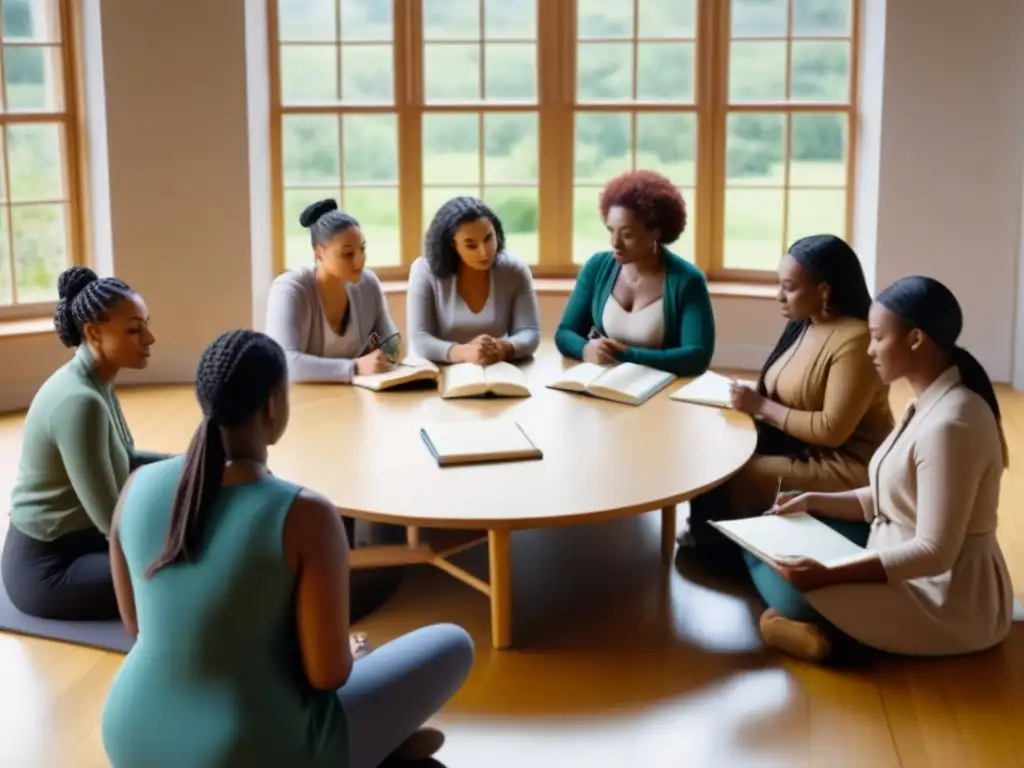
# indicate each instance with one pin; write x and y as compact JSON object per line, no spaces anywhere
{"x":796,"y":638}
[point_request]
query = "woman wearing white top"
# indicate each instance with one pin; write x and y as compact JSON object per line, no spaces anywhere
{"x":332,"y":319}
{"x":934,"y":581}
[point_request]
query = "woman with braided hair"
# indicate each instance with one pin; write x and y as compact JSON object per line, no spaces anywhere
{"x":76,"y":454}
{"x":235,"y":585}
{"x":332,"y":319}
{"x":470,"y":300}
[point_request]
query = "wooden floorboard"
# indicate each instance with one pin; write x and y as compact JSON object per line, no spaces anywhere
{"x":621,"y":664}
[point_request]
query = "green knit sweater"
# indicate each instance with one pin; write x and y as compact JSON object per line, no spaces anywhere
{"x":689,"y":341}
{"x":76,"y":454}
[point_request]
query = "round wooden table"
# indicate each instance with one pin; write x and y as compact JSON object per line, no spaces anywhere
{"x":602,"y":460}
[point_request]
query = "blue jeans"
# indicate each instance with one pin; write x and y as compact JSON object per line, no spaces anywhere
{"x":780,"y":594}
{"x":395,"y":689}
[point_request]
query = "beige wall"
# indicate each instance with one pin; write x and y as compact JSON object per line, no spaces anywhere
{"x":186,"y":220}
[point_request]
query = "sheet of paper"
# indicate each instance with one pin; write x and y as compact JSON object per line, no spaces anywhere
{"x":801,"y":535}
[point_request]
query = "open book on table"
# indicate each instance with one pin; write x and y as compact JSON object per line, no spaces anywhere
{"x":410,"y":371}
{"x":453,"y":443}
{"x":772,"y":538}
{"x":627,"y":383}
{"x":709,"y":388}
{"x":471,"y":380}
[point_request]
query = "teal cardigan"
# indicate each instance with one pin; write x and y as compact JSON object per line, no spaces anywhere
{"x":689,"y":339}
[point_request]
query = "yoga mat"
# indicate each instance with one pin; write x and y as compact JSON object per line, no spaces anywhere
{"x":104,"y":635}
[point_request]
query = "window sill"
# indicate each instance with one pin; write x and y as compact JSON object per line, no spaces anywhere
{"x":33,"y":326}
{"x":564,"y":286}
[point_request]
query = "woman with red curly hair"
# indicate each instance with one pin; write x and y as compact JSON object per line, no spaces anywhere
{"x":639,"y":302}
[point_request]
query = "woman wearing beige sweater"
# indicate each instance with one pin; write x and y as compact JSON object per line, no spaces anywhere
{"x":933,"y":581}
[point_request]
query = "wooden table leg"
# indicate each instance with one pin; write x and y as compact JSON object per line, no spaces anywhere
{"x":668,"y":533}
{"x":499,"y":554}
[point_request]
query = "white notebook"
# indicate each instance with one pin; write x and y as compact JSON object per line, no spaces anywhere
{"x":709,"y":388}
{"x":774,"y":537}
{"x":410,"y":371}
{"x":623,"y":383}
{"x":470,"y":380}
{"x":475,"y":442}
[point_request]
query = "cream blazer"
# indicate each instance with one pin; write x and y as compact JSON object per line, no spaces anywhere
{"x":932,"y":504}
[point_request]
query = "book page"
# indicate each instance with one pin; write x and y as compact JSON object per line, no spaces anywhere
{"x":781,"y":536}
{"x":631,"y":379}
{"x":579,"y":377}
{"x":709,"y":388}
{"x":483,"y":437}
{"x":464,"y":379}
{"x":506,"y":379}
{"x":400,"y":373}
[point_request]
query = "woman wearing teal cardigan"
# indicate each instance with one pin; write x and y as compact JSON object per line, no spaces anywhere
{"x":76,"y":454}
{"x":639,"y":302}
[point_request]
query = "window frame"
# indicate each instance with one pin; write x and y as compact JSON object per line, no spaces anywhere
{"x":75,"y":163}
{"x":556,"y":106}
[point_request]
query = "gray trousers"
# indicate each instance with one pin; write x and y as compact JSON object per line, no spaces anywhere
{"x":395,"y":689}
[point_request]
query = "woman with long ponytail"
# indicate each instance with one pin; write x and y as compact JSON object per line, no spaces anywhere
{"x":932,"y":580}
{"x":235,"y":585}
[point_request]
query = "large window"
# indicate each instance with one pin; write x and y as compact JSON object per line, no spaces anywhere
{"x":39,"y":215}
{"x":393,"y":106}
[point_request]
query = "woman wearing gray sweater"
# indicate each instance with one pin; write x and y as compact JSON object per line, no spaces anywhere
{"x":332,"y":319}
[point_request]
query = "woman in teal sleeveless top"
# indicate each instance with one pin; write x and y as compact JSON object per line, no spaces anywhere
{"x":235,"y":586}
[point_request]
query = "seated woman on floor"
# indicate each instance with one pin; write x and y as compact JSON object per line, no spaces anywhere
{"x":76,"y":454}
{"x":639,"y":302}
{"x":235,"y":585}
{"x":332,"y":319}
{"x":469,"y":300}
{"x":933,"y":581}
{"x":821,"y":409}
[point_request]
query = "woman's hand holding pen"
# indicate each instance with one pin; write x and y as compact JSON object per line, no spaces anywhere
{"x":745,"y":399}
{"x":601,"y":350}
{"x":374,"y":362}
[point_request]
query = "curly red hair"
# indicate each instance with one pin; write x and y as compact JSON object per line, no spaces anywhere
{"x":650,"y":196}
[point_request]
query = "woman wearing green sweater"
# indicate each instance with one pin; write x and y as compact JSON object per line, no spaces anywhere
{"x":76,"y":454}
{"x":640,"y":302}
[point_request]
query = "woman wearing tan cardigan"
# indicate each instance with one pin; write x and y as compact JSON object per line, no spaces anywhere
{"x":821,"y":409}
{"x":933,"y":581}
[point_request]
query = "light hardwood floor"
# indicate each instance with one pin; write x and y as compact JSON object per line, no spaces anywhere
{"x":622,"y":664}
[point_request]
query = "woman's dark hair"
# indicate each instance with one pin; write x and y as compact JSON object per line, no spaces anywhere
{"x":826,"y":259}
{"x":324,"y":220}
{"x":84,"y":297}
{"x":237,"y":374}
{"x":650,"y":196}
{"x":926,"y":304}
{"x":439,"y":242}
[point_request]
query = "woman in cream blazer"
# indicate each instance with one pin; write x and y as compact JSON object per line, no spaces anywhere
{"x":933,"y":581}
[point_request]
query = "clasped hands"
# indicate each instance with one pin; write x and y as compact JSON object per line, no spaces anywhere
{"x":601,"y":351}
{"x":804,"y":573}
{"x":483,"y":350}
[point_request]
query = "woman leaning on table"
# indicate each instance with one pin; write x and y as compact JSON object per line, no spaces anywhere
{"x":76,"y":454}
{"x":235,"y":585}
{"x":332,"y":318}
{"x":933,"y":581}
{"x":821,"y":409}
{"x":639,"y":302}
{"x":469,"y":300}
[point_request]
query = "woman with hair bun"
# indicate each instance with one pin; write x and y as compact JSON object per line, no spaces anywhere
{"x":932,"y":581}
{"x":332,"y":318}
{"x":76,"y":454}
{"x":639,"y":302}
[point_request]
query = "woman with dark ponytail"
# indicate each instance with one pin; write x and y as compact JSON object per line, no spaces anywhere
{"x":76,"y":454}
{"x":821,"y":410}
{"x":235,"y":585}
{"x":932,"y":580}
